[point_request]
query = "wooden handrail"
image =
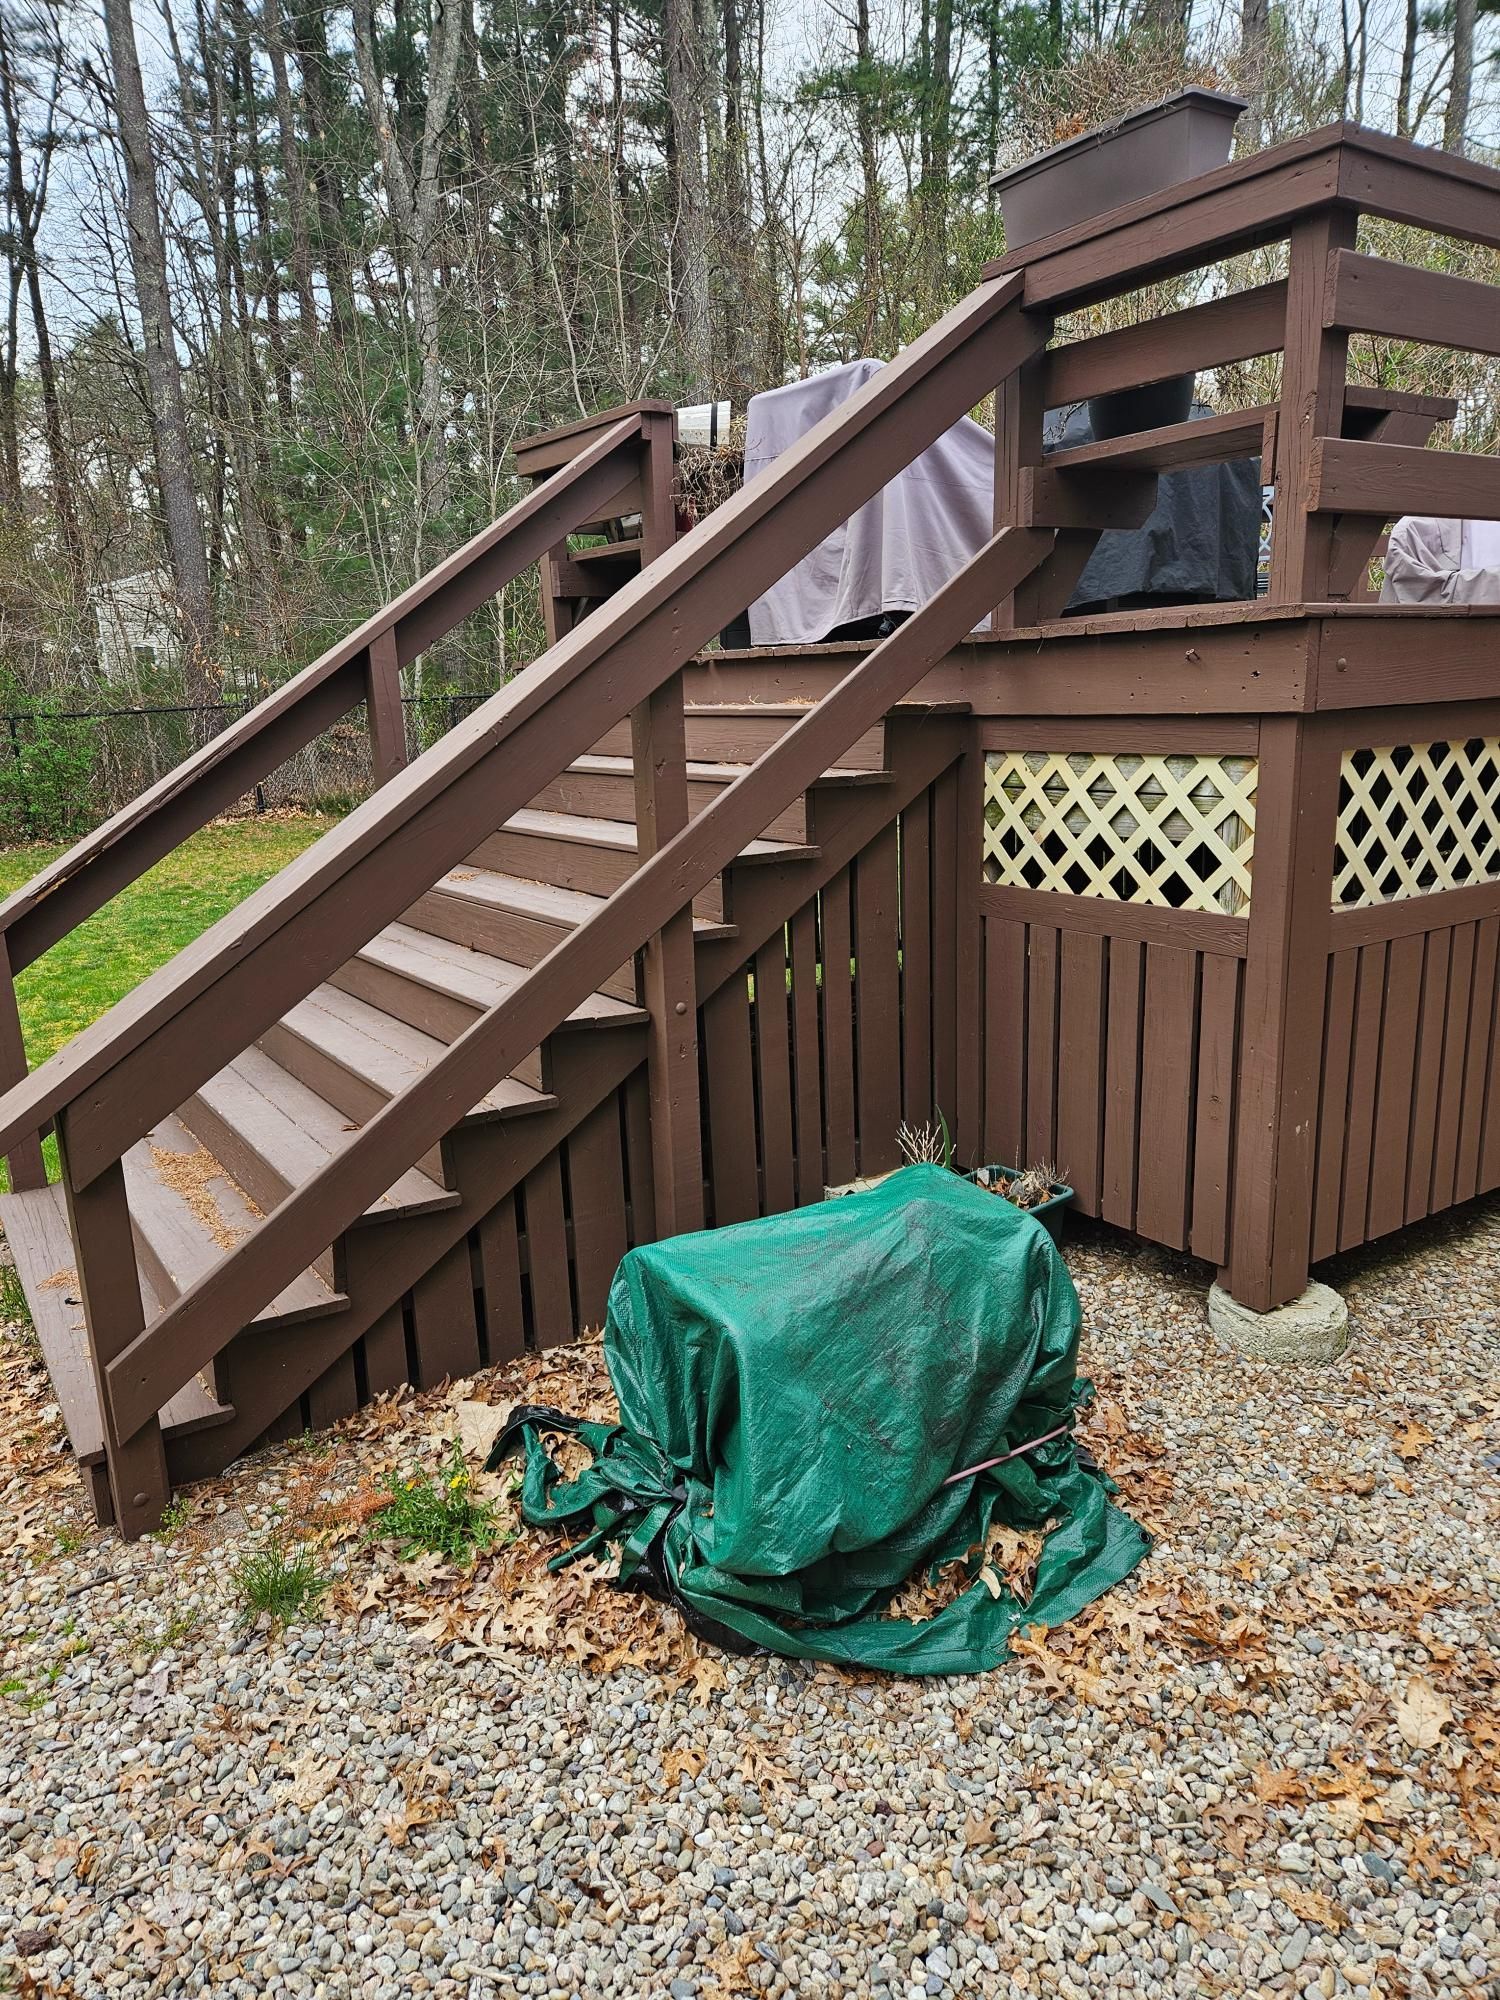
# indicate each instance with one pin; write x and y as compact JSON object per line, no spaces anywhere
{"x":185,"y":1021}
{"x":205,"y":1318}
{"x":1405,"y":302}
{"x":55,"y":901}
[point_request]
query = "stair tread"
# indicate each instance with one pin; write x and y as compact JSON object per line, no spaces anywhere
{"x":189,"y":1213}
{"x":608,"y":552}
{"x":388,"y":1052}
{"x":296,"y":1131}
{"x":524,"y":896}
{"x":473,"y":975}
{"x":36,"y":1227}
{"x":801,"y":707}
{"x":721,"y":770}
{"x":620,"y":833}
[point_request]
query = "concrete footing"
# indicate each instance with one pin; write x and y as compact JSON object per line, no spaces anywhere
{"x":1314,"y":1327}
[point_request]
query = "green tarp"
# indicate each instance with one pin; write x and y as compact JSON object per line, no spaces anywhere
{"x":793,"y":1394}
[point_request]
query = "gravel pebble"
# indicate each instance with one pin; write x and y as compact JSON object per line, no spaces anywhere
{"x":1204,"y":1786}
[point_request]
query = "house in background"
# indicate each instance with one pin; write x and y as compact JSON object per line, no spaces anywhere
{"x":134,"y":625}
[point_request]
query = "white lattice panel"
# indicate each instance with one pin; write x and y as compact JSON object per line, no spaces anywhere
{"x":1175,"y":831}
{"x":1415,"y":819}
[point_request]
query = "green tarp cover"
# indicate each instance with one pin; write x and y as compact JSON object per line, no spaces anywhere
{"x":794,"y":1392}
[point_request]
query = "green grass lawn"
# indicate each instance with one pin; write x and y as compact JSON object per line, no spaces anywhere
{"x":87,"y":972}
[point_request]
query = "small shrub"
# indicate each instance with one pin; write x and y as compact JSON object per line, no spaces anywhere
{"x":280,"y":1581}
{"x":14,"y":1310}
{"x":175,"y":1517}
{"x":427,"y":1516}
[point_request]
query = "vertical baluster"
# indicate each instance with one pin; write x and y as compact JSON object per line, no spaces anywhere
{"x":110,"y":1286}
{"x":668,"y":979}
{"x":25,"y":1159}
{"x":383,"y":712}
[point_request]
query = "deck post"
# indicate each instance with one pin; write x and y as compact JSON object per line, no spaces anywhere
{"x":1312,"y":407}
{"x":1286,"y":975}
{"x":110,"y":1287}
{"x":383,"y":713}
{"x":25,"y":1157}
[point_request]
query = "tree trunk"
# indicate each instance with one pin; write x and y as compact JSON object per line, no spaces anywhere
{"x":1408,"y":70}
{"x":869,"y":160}
{"x":1460,"y":90}
{"x":174,"y":454}
{"x":294,"y":178}
{"x":311,"y":44}
{"x":685,"y":86}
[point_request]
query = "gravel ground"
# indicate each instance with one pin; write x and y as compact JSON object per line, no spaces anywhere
{"x":1266,"y":1764}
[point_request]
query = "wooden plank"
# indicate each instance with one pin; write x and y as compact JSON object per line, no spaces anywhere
{"x":728,"y":1066}
{"x":1455,"y":1059}
{"x":954,"y":848}
{"x":1489,"y":1147}
{"x":385,"y":719}
{"x":916,"y":961}
{"x":1364,"y":1071}
{"x":1427,"y":1071}
{"x":596,"y":1199}
{"x":1092,"y":498}
{"x":1396,"y":1084}
{"x":1168,"y":1092}
{"x":1041,"y":1045}
{"x":333,"y":1395}
{"x":1482,"y":1008}
{"x":807,"y":1054}
{"x":384,"y":1345}
{"x":838,"y":1031}
{"x":642,"y":1208}
{"x":500,"y":1278}
{"x":552,"y":1316}
{"x":1348,"y":475}
{"x":1188,"y":930}
{"x":1235,"y":328}
{"x":1434,"y":308}
{"x":1122,"y":1081}
{"x":25,"y":1157}
{"x":1213,"y":1111}
{"x":773,"y":1064}
{"x":877,"y":1001}
{"x":1333,"y":1102}
{"x":1414,"y":916}
{"x":1004,"y":1042}
{"x":443,"y":1319}
{"x":1200,"y":441}
{"x":1080,"y":1066}
{"x":1312,"y":410}
{"x":968,"y":967}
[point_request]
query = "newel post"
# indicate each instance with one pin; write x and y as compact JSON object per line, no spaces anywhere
{"x":384,"y":716}
{"x":669,"y":986}
{"x":25,"y":1158}
{"x":109,"y":1285}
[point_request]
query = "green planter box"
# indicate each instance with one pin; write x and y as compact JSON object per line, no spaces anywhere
{"x":1048,"y":1213}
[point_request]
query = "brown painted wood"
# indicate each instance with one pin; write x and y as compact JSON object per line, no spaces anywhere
{"x":1312,"y":411}
{"x":1407,"y":303}
{"x":968,"y":970}
{"x":1197,"y":930}
{"x":877,"y":991}
{"x":1041,"y":1045}
{"x":773,"y":1074}
{"x":1122,"y":1080}
{"x":1427,"y":1072}
{"x":1333,"y":1103}
{"x":1213,"y":1114}
{"x":443,"y":1319}
{"x":109,"y":1286}
{"x":1201,"y":441}
{"x":546,"y":1254}
{"x":25,"y":1157}
{"x":1168,"y":1094}
{"x":668,"y":979}
{"x":1235,"y":328}
{"x":1489,"y":1145}
{"x":596,"y":1188}
{"x":500,"y":1277}
{"x":335,"y":1394}
{"x":836,"y":952}
{"x":1396,"y":1085}
{"x":384,"y":1346}
{"x":1284,"y":993}
{"x":1080,"y":1058}
{"x":1483,"y":999}
{"x":1004,"y":1042}
{"x":807,"y":1053}
{"x":1455,"y":1061}
{"x":385,"y":719}
{"x":731,"y":1109}
{"x":1053,"y":496}
{"x":916,"y":961}
{"x":641,"y":1212}
{"x":1350,"y":476}
{"x":955,"y":850}
{"x":1416,"y":915}
{"x":1364,"y":1071}
{"x":1421,"y":186}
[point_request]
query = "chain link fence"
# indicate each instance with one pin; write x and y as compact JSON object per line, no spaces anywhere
{"x":64,"y":770}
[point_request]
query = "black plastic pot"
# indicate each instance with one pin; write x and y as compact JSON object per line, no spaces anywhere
{"x":1147,"y":409}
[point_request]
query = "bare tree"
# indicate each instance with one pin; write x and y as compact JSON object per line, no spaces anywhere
{"x":686,"y":83}
{"x":1461,"y":89}
{"x":173,"y":448}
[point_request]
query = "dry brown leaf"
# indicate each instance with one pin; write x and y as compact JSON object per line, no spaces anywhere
{"x":682,"y":1762}
{"x":410,"y":1813}
{"x":1313,"y":1907}
{"x":478,"y":1425}
{"x":1412,"y":1440}
{"x":1422,"y":1714}
{"x":1274,"y":1788}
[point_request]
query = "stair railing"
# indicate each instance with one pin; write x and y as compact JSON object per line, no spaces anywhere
{"x":182,"y":1024}
{"x":364,"y":667}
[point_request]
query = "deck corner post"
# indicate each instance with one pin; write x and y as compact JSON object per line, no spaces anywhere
{"x":25,"y":1157}
{"x":1286,"y":975}
{"x":109,"y":1288}
{"x":1312,"y":407}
